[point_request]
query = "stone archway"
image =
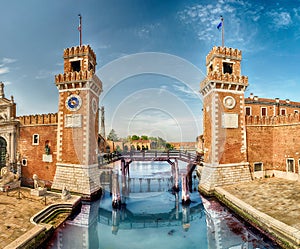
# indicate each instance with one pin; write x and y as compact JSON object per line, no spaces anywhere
{"x":3,"y":150}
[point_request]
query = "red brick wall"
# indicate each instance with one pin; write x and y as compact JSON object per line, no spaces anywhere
{"x":34,"y":153}
{"x":272,"y":145}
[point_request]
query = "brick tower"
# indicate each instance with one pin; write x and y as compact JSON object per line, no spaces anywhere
{"x":77,"y":149}
{"x":225,"y":158}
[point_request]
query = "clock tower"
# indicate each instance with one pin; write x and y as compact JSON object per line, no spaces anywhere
{"x":224,"y":131}
{"x":77,"y":148}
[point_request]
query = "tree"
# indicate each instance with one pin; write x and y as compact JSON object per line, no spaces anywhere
{"x":169,"y":146}
{"x":112,"y":136}
{"x":135,"y":137}
{"x":144,"y":137}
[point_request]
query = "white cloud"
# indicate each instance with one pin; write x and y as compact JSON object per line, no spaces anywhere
{"x":8,"y":60}
{"x":281,"y":19}
{"x":4,"y":70}
{"x":186,"y":91}
{"x":146,"y":30}
{"x":240,"y":21}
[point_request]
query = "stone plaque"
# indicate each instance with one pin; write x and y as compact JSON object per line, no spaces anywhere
{"x":73,"y":120}
{"x":47,"y":158}
{"x":230,"y":120}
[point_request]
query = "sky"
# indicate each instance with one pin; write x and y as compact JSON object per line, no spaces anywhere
{"x":150,"y":54}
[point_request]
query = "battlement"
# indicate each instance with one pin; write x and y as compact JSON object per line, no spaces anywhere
{"x":273,"y":120}
{"x":83,"y":50}
{"x":74,"y":76}
{"x":224,"y":81}
{"x":224,"y":52}
{"x":39,"y":119}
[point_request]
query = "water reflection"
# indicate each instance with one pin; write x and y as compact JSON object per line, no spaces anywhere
{"x":151,"y":216}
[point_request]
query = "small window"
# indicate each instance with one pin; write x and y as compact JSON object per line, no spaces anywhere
{"x":264,"y":111}
{"x":35,"y":139}
{"x":258,"y":167}
{"x":227,"y":67}
{"x":75,"y":66}
{"x":296,"y":111}
{"x":290,"y":165}
{"x":24,"y":162}
{"x":210,"y":68}
{"x":282,"y":112}
{"x":248,"y":111}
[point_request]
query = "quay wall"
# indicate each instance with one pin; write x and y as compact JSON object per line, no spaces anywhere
{"x":286,"y":236}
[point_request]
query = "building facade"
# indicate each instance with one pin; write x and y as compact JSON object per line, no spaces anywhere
{"x":61,"y":148}
{"x":244,"y":138}
{"x":273,"y":130}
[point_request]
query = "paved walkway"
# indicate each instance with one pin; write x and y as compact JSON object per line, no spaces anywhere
{"x":16,"y":212}
{"x":275,"y":197}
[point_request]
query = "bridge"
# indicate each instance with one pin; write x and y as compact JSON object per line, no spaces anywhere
{"x":170,"y":156}
{"x":149,"y":155}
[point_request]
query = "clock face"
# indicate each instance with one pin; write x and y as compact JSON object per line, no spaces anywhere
{"x":229,"y":102}
{"x":73,"y":102}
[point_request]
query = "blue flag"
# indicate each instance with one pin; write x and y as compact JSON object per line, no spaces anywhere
{"x":219,"y":26}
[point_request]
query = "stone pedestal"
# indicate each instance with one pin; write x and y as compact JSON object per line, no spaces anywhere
{"x":80,"y":179}
{"x":223,"y":174}
{"x":38,"y":191}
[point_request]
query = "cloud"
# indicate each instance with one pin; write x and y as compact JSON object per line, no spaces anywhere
{"x":8,"y":60}
{"x":146,"y":31}
{"x":4,"y":70}
{"x":280,"y":19}
{"x":186,"y":91}
{"x":205,"y":18}
{"x":240,"y":18}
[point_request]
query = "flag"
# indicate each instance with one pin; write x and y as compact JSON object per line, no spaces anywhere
{"x":219,"y":25}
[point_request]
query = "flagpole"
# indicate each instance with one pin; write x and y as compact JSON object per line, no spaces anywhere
{"x":80,"y":30}
{"x":222,"y":20}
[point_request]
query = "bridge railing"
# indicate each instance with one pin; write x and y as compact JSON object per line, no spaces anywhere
{"x":157,"y":155}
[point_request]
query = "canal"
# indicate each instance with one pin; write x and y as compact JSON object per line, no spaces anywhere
{"x":153,"y":217}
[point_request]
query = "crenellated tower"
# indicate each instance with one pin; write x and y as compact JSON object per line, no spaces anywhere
{"x":224,"y":131}
{"x":77,"y":149}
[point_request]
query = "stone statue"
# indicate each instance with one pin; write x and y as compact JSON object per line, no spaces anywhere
{"x":37,"y":183}
{"x":39,"y":186}
{"x":47,"y":149}
{"x":7,"y":176}
{"x":65,"y":194}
